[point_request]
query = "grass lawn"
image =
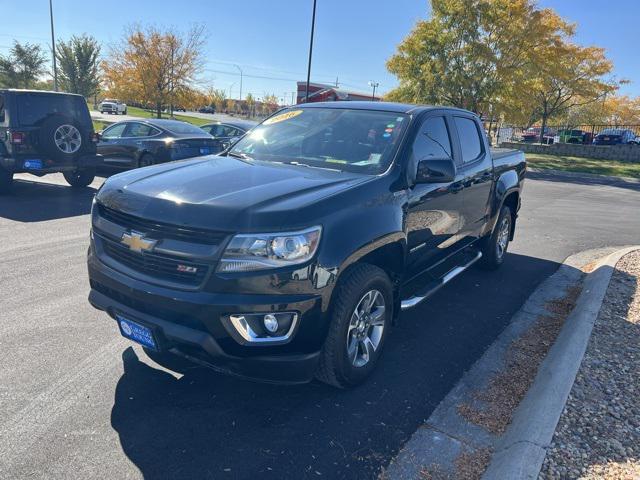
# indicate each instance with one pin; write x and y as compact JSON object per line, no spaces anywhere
{"x":139,"y":112}
{"x":584,"y":165}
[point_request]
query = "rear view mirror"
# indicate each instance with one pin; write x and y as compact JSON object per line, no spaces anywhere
{"x":435,"y":170}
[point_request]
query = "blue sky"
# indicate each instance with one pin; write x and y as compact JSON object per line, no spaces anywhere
{"x":269,"y":38}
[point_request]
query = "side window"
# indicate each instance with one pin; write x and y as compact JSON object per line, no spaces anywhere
{"x":114,"y":131}
{"x":469,"y":139}
{"x":432,"y":140}
{"x":1,"y":108}
{"x":215,"y":130}
{"x":136,"y":129}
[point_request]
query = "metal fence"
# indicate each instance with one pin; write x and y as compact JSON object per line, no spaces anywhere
{"x":578,"y":134}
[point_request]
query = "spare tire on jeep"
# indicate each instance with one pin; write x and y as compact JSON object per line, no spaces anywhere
{"x":61,"y":138}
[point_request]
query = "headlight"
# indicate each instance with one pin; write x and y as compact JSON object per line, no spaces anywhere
{"x":261,"y":251}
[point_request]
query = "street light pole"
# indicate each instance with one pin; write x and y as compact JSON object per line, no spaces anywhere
{"x":313,"y":24}
{"x":53,"y":48}
{"x":374,"y":85}
{"x":240,"y":70}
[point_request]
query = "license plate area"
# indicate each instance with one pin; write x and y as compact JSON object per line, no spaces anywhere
{"x":33,"y":164}
{"x":137,"y":332}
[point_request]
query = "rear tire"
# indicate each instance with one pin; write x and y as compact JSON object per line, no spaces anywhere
{"x":6,"y":181}
{"x":494,"y":247}
{"x":356,"y":334}
{"x":80,"y":178}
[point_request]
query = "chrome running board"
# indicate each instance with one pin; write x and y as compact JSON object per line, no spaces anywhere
{"x":453,"y":273}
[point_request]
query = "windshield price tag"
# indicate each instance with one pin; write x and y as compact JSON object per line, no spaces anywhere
{"x":282,"y":117}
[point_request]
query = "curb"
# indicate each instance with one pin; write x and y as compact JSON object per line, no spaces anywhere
{"x":585,"y":175}
{"x":520,"y":452}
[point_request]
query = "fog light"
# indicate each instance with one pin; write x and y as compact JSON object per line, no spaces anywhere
{"x":261,"y":328}
{"x":270,"y":323}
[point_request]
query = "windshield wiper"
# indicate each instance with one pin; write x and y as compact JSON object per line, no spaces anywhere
{"x":312,"y":166}
{"x":240,"y":155}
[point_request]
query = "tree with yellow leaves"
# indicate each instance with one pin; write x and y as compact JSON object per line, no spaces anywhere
{"x":507,"y":57}
{"x":154,"y":66}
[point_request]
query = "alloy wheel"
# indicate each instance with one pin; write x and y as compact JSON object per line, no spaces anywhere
{"x":67,"y":138}
{"x":365,"y":328}
{"x":503,"y":237}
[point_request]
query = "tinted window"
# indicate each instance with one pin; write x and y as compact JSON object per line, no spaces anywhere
{"x":432,"y":140}
{"x":181,"y":127}
{"x":33,"y":108}
{"x":115,"y":131}
{"x":140,"y":130}
{"x":222,"y":131}
{"x":469,"y":138}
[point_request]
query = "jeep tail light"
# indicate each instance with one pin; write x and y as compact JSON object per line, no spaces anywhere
{"x":18,"y":137}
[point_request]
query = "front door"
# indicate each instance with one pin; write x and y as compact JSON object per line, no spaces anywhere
{"x":433,"y":216}
{"x":112,"y":147}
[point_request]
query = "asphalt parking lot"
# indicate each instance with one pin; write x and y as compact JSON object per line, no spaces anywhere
{"x":77,"y":401}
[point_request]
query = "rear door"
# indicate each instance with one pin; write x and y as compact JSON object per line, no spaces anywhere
{"x":433,"y":217}
{"x":476,"y":169}
{"x":135,"y":140}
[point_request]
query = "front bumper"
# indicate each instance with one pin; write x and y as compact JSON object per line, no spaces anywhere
{"x":189,"y":323}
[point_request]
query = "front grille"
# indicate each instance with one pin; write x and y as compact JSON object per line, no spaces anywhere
{"x":161,"y":230}
{"x":162,"y":267}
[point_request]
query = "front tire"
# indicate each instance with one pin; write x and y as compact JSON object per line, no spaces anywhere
{"x":494,"y":247}
{"x":360,"y":322}
{"x":80,"y":178}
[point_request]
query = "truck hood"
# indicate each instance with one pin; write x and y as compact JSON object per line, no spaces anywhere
{"x":226,"y":194}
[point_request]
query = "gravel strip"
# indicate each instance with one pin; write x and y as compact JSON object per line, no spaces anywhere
{"x":598,"y":435}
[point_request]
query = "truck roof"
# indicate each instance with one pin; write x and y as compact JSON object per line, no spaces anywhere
{"x":380,"y":106}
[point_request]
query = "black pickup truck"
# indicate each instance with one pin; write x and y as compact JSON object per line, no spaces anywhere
{"x":291,"y":254}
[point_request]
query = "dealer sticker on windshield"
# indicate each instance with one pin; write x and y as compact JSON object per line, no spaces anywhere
{"x":282,"y":117}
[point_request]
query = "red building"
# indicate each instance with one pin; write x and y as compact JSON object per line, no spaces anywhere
{"x":320,"y":92}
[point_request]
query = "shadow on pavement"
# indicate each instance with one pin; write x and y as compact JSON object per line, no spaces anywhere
{"x":36,"y":201}
{"x":205,"y":425}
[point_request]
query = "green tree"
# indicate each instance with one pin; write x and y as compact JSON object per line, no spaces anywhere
{"x":23,"y":66}
{"x":471,"y":52}
{"x":78,"y":65}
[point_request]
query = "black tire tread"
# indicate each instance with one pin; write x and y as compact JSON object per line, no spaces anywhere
{"x":327,"y":371}
{"x":489,"y":260}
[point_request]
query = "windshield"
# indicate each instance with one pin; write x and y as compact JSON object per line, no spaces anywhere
{"x":338,"y":138}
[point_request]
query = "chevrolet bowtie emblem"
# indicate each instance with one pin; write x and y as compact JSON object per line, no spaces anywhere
{"x":137,"y":243}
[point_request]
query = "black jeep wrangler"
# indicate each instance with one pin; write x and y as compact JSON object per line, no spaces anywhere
{"x":46,"y":132}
